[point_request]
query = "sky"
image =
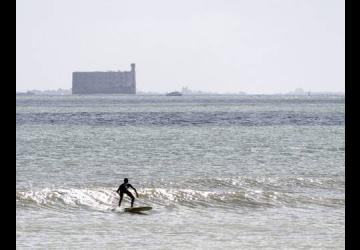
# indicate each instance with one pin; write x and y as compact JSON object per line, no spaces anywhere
{"x":257,"y":46}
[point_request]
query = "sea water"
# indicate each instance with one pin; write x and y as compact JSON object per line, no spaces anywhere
{"x":221,"y":172}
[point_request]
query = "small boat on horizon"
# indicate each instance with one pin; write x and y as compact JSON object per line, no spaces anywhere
{"x":175,"y":93}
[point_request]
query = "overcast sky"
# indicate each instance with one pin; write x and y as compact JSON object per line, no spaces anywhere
{"x":256,"y":46}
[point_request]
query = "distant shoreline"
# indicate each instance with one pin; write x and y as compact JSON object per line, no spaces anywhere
{"x":197,"y":93}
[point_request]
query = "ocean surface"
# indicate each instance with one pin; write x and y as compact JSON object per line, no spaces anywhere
{"x":221,"y":172}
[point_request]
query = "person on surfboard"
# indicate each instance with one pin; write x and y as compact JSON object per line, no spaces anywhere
{"x":123,"y":188}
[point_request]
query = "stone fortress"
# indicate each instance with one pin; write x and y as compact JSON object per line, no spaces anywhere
{"x":109,"y":82}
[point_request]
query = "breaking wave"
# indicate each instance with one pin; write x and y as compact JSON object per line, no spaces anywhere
{"x":235,"y":193}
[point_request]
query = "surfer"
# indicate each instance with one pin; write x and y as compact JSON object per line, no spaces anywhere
{"x":123,"y":188}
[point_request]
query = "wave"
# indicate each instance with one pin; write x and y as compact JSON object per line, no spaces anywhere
{"x":273,"y":182}
{"x":98,"y":198}
{"x":282,"y":184}
{"x":105,"y":199}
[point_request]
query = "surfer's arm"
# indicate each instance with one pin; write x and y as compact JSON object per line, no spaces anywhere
{"x":137,"y":195}
{"x":118,"y":190}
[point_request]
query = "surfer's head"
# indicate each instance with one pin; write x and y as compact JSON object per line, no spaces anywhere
{"x":126,"y":180}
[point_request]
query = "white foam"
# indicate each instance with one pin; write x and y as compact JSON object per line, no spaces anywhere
{"x":99,"y":198}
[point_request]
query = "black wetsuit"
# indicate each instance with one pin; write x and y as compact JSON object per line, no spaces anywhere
{"x":123,"y":188}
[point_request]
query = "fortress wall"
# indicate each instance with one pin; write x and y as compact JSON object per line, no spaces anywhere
{"x":112,"y":82}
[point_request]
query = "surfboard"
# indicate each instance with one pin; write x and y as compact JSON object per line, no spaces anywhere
{"x":137,"y":209}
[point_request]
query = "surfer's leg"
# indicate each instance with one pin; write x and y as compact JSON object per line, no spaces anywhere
{"x":132,"y":198}
{"x":121,"y":197}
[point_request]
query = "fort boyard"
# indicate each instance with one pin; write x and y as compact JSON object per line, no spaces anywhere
{"x":109,"y":82}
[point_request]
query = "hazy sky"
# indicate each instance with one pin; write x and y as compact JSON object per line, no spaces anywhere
{"x":256,"y":46}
